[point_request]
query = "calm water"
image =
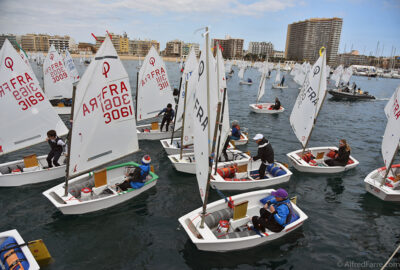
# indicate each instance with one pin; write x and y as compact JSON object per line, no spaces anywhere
{"x":345,"y":225}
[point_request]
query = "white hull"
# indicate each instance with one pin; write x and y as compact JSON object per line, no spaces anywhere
{"x":187,"y":163}
{"x":144,"y":132}
{"x":383,"y":192}
{"x":243,"y":140}
{"x":264,"y":108}
{"x":71,"y":205}
{"x":303,"y":166}
{"x":33,"y":265}
{"x":30,"y":177}
{"x":220,"y":183}
{"x":62,"y":110}
{"x":174,"y":148}
{"x":245,"y":83}
{"x":275,"y":86}
{"x":210,"y":242}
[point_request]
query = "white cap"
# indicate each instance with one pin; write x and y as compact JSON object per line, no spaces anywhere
{"x":258,"y":137}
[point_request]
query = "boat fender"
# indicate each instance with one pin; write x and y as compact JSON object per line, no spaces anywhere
{"x":12,"y":259}
{"x":16,"y":171}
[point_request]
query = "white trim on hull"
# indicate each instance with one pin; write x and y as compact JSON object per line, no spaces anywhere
{"x":30,"y":177}
{"x":72,"y":205}
{"x":264,"y":108}
{"x":302,"y":166}
{"x":373,"y":186}
{"x":173,"y":149}
{"x":210,"y":242}
{"x":154,"y":134}
{"x":220,"y":183}
{"x":245,"y":83}
{"x":275,"y":86}
{"x":188,"y":165}
{"x":33,"y":265}
{"x":62,"y":110}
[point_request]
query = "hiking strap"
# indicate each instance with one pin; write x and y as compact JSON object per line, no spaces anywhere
{"x":227,"y":199}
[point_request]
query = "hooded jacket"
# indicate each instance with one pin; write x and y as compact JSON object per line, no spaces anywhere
{"x":265,"y":152}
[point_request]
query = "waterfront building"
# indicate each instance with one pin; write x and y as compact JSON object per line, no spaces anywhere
{"x":305,"y":38}
{"x":60,"y":43}
{"x":261,"y":48}
{"x":174,"y":48}
{"x":142,"y":47}
{"x":35,"y":43}
{"x":231,"y":47}
{"x":186,"y":47}
{"x":11,"y":38}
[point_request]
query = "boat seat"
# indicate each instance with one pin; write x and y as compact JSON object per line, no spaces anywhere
{"x":212,"y":219}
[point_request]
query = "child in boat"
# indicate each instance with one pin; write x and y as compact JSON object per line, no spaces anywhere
{"x":342,"y":156}
{"x":136,"y":177}
{"x":169,"y":114}
{"x":265,"y":153}
{"x":236,"y":133}
{"x":282,"y":81}
{"x":56,"y":145}
{"x":276,"y":213}
{"x":277,"y":104}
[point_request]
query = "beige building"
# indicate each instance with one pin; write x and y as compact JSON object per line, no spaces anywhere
{"x":174,"y":48}
{"x":124,"y":44}
{"x":231,"y":47}
{"x":305,"y":38}
{"x":33,"y":42}
{"x":11,"y":38}
{"x":115,"y":39}
{"x":142,"y":47}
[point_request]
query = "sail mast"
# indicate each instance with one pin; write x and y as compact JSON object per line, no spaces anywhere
{"x":176,"y":109}
{"x":71,"y":119}
{"x":183,"y":118}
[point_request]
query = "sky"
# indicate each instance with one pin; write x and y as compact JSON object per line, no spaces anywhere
{"x":365,"y":22}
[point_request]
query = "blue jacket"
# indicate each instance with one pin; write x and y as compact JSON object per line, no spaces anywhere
{"x":281,"y":211}
{"x":169,"y":114}
{"x":144,"y":171}
{"x":236,"y":132}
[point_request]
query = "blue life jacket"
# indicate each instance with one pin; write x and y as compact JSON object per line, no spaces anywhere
{"x":144,"y":171}
{"x":285,"y":212}
{"x":236,"y":132}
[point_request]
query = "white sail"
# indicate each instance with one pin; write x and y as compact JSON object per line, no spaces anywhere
{"x":241,"y":73}
{"x":225,"y":129}
{"x":388,"y":107}
{"x":104,"y":127}
{"x":25,"y":59}
{"x":348,"y":72}
{"x":278,"y":74}
{"x":70,"y":66}
{"x":204,"y":118}
{"x":25,"y":113}
{"x":309,"y":100}
{"x":154,"y":91}
{"x":391,"y":136}
{"x":261,"y":87}
{"x":57,"y":82}
{"x":190,"y":66}
{"x":337,"y":74}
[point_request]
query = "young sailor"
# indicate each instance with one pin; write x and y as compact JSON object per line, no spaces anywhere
{"x":265,"y":153}
{"x":56,"y":145}
{"x":282,"y":81}
{"x":136,"y":177}
{"x":342,"y":156}
{"x":169,"y":114}
{"x":277,"y":104}
{"x":236,"y":133}
{"x":276,"y":213}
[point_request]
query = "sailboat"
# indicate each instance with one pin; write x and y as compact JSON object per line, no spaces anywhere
{"x":57,"y":82}
{"x":70,"y":67}
{"x":302,"y":119}
{"x":25,"y":117}
{"x":201,"y":225}
{"x":103,"y":131}
{"x":241,"y":75}
{"x":153,"y":93}
{"x":187,"y":162}
{"x":277,"y":84}
{"x":183,"y":118}
{"x":381,"y":182}
{"x":263,"y":107}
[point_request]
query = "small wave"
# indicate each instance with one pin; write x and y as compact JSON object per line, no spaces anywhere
{"x":380,"y":99}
